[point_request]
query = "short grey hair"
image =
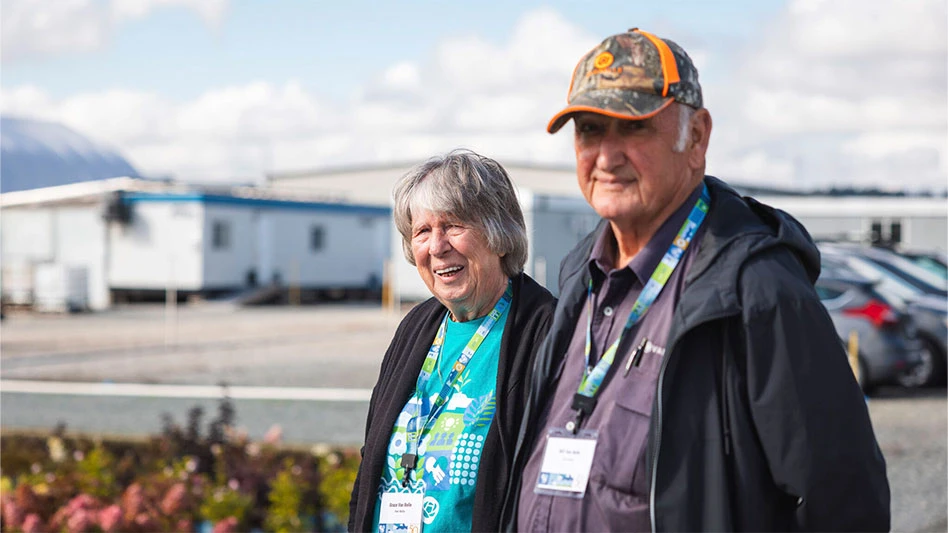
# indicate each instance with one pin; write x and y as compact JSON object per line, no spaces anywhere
{"x":472,"y":188}
{"x":685,"y":112}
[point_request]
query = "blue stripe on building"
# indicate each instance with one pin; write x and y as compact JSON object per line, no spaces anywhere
{"x":218,"y":199}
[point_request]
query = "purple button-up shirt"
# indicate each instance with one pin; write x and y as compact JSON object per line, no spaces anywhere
{"x":616,"y":498}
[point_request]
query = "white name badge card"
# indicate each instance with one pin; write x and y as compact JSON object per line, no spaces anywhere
{"x":566,"y":463}
{"x":400,"y":512}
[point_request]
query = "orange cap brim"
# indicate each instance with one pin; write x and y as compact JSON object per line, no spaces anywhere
{"x":561,"y":118}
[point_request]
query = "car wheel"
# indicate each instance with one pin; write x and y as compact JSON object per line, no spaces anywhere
{"x":929,"y":372}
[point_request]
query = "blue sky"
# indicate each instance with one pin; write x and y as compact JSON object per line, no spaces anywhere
{"x":305,"y":40}
{"x":231,"y":90}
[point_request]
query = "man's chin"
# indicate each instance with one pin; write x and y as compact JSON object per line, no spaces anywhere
{"x":617,"y":213}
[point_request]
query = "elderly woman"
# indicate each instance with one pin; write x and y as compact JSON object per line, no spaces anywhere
{"x":443,"y":418}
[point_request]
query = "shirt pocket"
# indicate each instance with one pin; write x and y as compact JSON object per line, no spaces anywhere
{"x":625,"y":437}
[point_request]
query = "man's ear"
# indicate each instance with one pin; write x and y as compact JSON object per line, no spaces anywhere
{"x":699,"y":135}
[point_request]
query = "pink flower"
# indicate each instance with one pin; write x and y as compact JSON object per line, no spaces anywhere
{"x":184,"y":525}
{"x":56,"y":522}
{"x":274,"y":435}
{"x":81,"y":502}
{"x":79,"y":521}
{"x":32,"y":523}
{"x":132,"y":501}
{"x":110,"y":518}
{"x":173,"y":499}
{"x":11,"y":512}
{"x":227,"y":525}
{"x":144,"y":522}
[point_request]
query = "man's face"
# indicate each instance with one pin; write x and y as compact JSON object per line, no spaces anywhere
{"x":628,"y":170}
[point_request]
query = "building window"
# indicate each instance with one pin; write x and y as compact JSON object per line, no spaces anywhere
{"x":886,"y":232}
{"x":220,"y":235}
{"x":317,"y":238}
{"x":875,"y":232}
{"x":895,"y":232}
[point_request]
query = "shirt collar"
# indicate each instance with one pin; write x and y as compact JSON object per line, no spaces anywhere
{"x":602,"y":257}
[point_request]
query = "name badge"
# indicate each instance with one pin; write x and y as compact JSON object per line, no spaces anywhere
{"x":400,"y":512}
{"x":566,"y":463}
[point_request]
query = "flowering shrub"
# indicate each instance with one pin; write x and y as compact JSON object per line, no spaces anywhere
{"x":180,"y":480}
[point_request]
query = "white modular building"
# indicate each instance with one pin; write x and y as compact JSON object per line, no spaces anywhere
{"x":916,"y":223}
{"x":138,"y":238}
{"x":557,"y":216}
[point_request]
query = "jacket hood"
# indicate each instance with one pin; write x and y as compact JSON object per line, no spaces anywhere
{"x":740,"y":227}
{"x":737,"y":229}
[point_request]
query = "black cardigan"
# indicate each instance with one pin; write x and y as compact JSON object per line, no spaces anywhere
{"x":527,"y":323}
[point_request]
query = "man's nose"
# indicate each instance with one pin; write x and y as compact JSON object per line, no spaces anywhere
{"x":611,"y":151}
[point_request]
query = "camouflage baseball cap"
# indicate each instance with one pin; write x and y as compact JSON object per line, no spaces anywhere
{"x":632,"y":75}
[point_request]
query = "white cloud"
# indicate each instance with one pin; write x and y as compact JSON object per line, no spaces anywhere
{"x":211,"y":11}
{"x":830,"y":28}
{"x":403,"y":76}
{"x":864,"y":104}
{"x":222,"y":134}
{"x":773,"y":170}
{"x":33,"y":28}
{"x":494,"y":97}
{"x":118,"y":116}
{"x":28,"y":100}
{"x":869,"y":80}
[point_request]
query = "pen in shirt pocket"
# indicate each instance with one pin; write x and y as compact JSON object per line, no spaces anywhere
{"x":636,"y":356}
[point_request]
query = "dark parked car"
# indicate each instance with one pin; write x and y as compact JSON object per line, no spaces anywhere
{"x":931,"y":318}
{"x":928,"y":309}
{"x":907,"y":271}
{"x":888,"y":346}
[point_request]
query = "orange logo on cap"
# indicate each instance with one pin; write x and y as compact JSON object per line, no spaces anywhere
{"x":603,"y":60}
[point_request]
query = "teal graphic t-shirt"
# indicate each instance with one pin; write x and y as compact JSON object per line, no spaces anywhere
{"x":449,"y":451}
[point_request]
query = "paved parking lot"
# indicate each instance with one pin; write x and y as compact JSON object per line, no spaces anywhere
{"x":336,"y":346}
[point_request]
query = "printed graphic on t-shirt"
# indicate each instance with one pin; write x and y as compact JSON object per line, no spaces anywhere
{"x":450,"y":451}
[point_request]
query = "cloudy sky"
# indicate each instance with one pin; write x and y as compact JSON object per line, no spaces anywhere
{"x":804,"y":93}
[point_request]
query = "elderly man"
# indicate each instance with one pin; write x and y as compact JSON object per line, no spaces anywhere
{"x":691,"y":379}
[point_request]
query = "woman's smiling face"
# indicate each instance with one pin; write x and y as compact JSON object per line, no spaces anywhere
{"x":455,"y":262}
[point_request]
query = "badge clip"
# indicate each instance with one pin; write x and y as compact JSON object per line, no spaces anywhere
{"x":409,"y":461}
{"x":583,"y":406}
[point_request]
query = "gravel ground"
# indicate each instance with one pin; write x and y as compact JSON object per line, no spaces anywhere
{"x":912,"y":430}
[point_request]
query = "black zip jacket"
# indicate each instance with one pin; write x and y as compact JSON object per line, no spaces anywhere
{"x":758,"y":423}
{"x":527,"y":323}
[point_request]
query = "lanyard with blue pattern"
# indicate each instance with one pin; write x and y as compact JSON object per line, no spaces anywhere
{"x":585,"y":398}
{"x":414,"y":432}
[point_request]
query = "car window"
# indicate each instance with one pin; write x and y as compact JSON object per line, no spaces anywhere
{"x":893,"y":288}
{"x":932,"y":266}
{"x":915,"y":271}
